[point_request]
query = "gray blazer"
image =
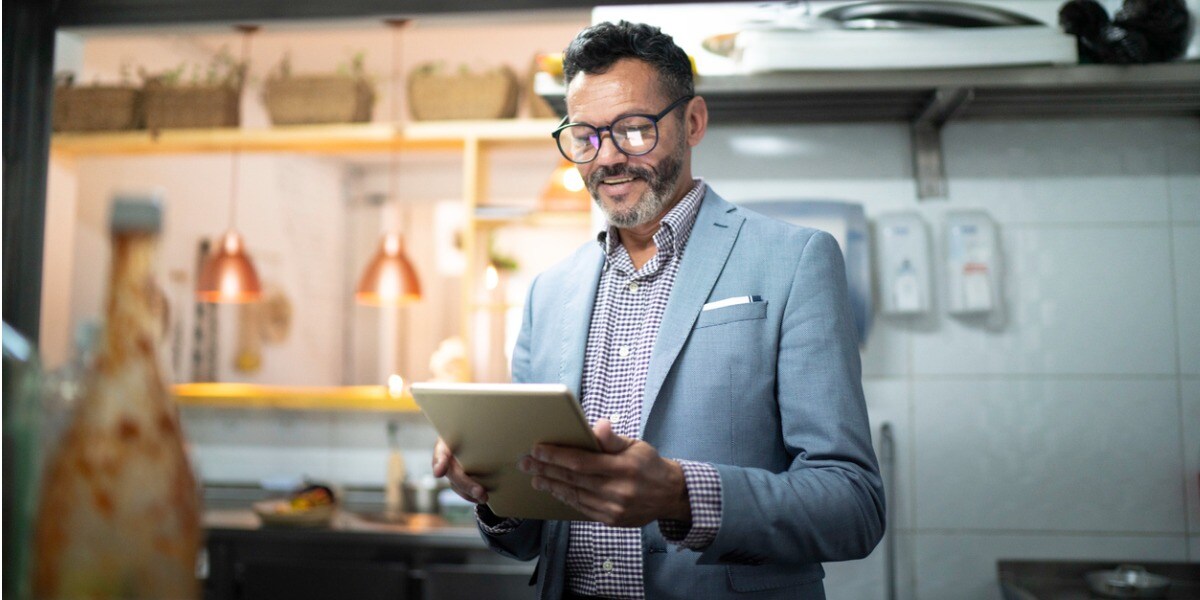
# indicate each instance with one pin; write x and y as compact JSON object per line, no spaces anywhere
{"x":768,"y":391}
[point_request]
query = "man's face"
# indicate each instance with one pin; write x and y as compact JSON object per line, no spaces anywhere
{"x":631,"y":190}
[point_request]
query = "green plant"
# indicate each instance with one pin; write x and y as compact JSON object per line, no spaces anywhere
{"x":354,"y":68}
{"x":222,"y":70}
{"x":502,"y":262}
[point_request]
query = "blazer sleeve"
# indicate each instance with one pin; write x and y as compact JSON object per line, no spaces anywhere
{"x":523,"y":541}
{"x":828,"y":505}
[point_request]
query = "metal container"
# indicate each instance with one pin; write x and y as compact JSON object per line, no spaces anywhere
{"x":1128,"y":581}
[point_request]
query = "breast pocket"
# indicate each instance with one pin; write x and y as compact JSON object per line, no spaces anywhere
{"x":732,"y":314}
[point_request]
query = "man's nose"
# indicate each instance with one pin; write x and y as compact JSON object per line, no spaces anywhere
{"x":609,"y":154}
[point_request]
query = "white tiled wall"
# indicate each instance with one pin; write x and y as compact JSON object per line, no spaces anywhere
{"x":1068,"y":429}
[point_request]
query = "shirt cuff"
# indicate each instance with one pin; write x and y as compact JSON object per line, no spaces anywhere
{"x":492,"y":524}
{"x":704,"y":495}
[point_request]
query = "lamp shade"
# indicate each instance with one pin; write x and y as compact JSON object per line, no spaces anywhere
{"x":228,"y":275}
{"x":389,"y":279}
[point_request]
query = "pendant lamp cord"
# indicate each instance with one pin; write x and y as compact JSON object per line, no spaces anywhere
{"x":235,"y":155}
{"x":393,"y":166}
{"x":233,"y":188}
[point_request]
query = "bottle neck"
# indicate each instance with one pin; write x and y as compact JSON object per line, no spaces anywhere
{"x":133,"y":316}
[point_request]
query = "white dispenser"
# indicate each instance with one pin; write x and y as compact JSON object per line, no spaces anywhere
{"x":902,"y":256}
{"x":972,"y":263}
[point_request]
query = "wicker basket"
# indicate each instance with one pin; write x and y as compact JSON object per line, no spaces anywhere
{"x":318,"y":99}
{"x":97,"y":108}
{"x":433,"y":95}
{"x":191,"y":106}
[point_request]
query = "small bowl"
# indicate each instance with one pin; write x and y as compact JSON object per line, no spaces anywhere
{"x":1128,"y":581}
{"x":279,"y":513}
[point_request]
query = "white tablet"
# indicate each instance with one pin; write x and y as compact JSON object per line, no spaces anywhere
{"x":490,"y":426}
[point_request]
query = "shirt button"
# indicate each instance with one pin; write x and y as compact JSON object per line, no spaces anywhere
{"x":633,"y":286}
{"x":624,"y":351}
{"x":614,"y":419}
{"x":608,"y":565}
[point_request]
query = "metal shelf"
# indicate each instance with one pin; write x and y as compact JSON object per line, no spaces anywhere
{"x":929,"y":98}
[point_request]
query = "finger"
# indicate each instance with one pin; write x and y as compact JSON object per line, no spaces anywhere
{"x":464,"y":484}
{"x":441,"y":458}
{"x":573,"y":496}
{"x":469,"y":489}
{"x":569,"y":477}
{"x":609,"y":441}
{"x":591,"y":505}
{"x":582,"y":461}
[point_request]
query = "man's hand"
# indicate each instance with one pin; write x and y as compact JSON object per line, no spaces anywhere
{"x":626,"y":485}
{"x":445,"y":465}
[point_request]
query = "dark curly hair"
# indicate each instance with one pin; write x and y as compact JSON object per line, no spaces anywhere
{"x":598,"y":47}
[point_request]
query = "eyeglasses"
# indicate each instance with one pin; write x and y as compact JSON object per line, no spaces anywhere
{"x":633,"y":135}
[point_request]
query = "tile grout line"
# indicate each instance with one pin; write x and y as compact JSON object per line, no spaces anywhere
{"x":1040,"y":532}
{"x":913,"y":575}
{"x":974,"y":377}
{"x":1187,"y":550}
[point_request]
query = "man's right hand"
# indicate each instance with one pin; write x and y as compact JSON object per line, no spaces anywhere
{"x":445,"y":465}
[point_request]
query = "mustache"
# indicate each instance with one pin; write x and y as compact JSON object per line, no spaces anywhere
{"x":622,"y":171}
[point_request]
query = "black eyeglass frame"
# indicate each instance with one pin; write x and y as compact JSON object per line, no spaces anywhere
{"x":654,"y":119}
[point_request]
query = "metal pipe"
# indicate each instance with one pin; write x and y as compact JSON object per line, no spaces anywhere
{"x":887,"y":456}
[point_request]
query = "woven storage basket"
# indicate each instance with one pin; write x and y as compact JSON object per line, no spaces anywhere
{"x":97,"y":108}
{"x":191,"y":106}
{"x":434,"y":95}
{"x":318,"y":99}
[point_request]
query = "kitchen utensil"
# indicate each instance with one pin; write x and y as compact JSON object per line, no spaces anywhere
{"x":897,"y":13}
{"x":1128,"y":581}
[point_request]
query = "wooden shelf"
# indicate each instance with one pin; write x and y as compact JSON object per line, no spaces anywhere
{"x":244,"y":395}
{"x":324,"y":139}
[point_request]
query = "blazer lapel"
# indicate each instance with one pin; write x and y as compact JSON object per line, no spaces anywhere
{"x":716,"y":229}
{"x":576,"y":318}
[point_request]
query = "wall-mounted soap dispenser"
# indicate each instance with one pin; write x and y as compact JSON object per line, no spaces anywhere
{"x":973,"y":266}
{"x":903,"y":266}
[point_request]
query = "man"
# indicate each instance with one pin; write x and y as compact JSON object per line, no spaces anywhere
{"x":714,"y":353}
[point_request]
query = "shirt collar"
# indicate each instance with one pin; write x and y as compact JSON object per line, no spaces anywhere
{"x":673,"y":230}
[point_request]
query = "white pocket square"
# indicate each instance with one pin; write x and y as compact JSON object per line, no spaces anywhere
{"x":731,"y":302}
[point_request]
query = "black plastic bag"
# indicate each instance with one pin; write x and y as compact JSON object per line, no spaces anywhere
{"x":1142,"y":31}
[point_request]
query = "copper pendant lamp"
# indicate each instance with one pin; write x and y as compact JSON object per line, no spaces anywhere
{"x":390,"y":279}
{"x":228,"y":275}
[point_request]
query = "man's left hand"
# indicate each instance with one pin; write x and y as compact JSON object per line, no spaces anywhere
{"x":626,"y":485}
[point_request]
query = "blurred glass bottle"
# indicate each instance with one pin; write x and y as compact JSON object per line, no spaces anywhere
{"x":22,"y":378}
{"x":119,"y":516}
{"x":62,"y":388}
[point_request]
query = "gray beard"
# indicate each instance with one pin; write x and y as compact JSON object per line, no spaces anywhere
{"x":661,"y":183}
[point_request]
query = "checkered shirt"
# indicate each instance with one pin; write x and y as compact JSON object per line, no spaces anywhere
{"x":630,"y":303}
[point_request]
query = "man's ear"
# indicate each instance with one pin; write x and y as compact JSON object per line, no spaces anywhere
{"x":697,"y":120}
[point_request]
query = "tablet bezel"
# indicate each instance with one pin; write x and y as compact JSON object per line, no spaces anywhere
{"x":490,"y":426}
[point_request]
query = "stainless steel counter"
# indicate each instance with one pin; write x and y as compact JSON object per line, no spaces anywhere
{"x":360,"y":554}
{"x":414,"y":530}
{"x":1064,"y":580}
